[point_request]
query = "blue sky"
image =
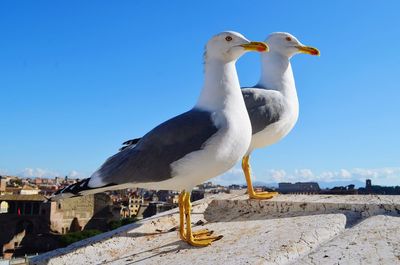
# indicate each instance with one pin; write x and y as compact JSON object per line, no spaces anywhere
{"x":79,"y":77}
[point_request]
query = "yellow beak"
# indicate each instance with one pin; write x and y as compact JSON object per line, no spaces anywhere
{"x":308,"y":50}
{"x":256,"y":46}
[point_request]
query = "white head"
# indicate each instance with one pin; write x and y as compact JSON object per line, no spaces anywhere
{"x":288,"y":45}
{"x":229,"y":46}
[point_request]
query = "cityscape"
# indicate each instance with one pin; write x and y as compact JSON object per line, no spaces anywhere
{"x":26,"y":215}
{"x":277,"y":119}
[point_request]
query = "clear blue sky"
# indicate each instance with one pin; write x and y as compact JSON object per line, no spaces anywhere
{"x":80,"y":77}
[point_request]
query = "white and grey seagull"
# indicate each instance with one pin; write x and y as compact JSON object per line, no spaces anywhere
{"x":272,"y":104}
{"x":191,"y":148}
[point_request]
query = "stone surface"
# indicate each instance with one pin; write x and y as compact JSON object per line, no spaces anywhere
{"x":289,"y":229}
{"x":374,"y":241}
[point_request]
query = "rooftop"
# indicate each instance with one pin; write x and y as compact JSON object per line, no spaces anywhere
{"x":22,"y":197}
{"x":288,"y":229}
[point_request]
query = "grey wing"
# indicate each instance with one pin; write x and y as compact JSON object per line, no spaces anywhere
{"x":150,"y":159}
{"x":265,"y":107}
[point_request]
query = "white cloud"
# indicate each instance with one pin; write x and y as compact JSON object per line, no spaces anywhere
{"x":278,"y":175}
{"x":37,"y":172}
{"x":327,"y":175}
{"x":345,"y":173}
{"x":76,"y":174}
{"x":380,"y":176}
{"x":304,"y":173}
{"x":45,"y":173}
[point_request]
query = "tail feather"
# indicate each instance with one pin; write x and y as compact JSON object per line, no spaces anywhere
{"x":80,"y":188}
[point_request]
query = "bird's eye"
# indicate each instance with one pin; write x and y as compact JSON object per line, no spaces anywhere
{"x":288,"y":38}
{"x":228,"y":38}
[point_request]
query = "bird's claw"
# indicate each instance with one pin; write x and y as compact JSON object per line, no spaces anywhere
{"x":202,"y":232}
{"x":203,"y":241}
{"x":263,"y":195}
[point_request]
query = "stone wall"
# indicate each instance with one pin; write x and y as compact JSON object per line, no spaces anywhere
{"x":79,"y":211}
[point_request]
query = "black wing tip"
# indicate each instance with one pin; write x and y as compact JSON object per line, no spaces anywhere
{"x":132,"y":141}
{"x":74,"y":189}
{"x":129,"y":143}
{"x":123,"y":148}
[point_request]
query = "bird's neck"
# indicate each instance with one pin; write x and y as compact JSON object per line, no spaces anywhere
{"x":221,"y":86}
{"x":276,"y":74}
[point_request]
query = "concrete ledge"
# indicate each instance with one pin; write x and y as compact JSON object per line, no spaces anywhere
{"x":289,"y":229}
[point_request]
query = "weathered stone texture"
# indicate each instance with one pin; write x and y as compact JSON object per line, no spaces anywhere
{"x":289,"y":229}
{"x":374,"y":241}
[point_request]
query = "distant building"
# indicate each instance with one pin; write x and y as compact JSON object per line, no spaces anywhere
{"x":376,"y":189}
{"x":132,"y":207}
{"x":208,"y":185}
{"x":173,"y":199}
{"x":368,"y":183}
{"x":341,"y":190}
{"x":210,"y":188}
{"x":38,"y":181}
{"x":167,"y":196}
{"x":196,"y":195}
{"x":3,"y":184}
{"x":24,"y":217}
{"x":234,"y":187}
{"x":91,"y":211}
{"x":258,"y":189}
{"x":47,"y":189}
{"x":368,"y":186}
{"x":157,"y":207}
{"x":124,"y":211}
{"x":29,"y":190}
{"x":21,"y":204}
{"x":134,"y":204}
{"x":19,"y":215}
{"x":299,"y":187}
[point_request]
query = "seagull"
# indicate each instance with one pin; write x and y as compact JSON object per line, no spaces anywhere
{"x":272,"y":104}
{"x":190,"y":148}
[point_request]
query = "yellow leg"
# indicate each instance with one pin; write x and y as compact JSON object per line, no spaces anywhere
{"x":250,"y":190}
{"x":182,"y":234}
{"x":182,"y":216}
{"x":204,"y":239}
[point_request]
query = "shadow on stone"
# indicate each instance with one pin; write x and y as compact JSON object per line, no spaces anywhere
{"x":129,"y":259}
